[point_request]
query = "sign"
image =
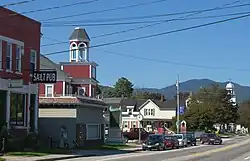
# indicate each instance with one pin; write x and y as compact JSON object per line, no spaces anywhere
{"x":140,"y":117}
{"x":16,"y":83}
{"x":44,"y":77}
{"x":182,"y":110}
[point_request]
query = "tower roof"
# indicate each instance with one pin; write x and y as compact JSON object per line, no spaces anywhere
{"x":230,"y":86}
{"x":79,"y":34}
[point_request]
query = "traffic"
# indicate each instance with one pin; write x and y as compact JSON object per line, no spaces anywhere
{"x":153,"y":141}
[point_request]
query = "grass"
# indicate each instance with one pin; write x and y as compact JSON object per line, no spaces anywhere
{"x":38,"y":153}
{"x":108,"y":147}
{"x":2,"y":159}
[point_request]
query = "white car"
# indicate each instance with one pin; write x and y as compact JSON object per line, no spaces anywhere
{"x":182,"y":140}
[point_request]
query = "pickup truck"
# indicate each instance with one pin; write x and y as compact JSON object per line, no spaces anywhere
{"x":133,"y":134}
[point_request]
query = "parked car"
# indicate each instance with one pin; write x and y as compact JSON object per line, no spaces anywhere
{"x":191,"y":140}
{"x":133,"y":134}
{"x":171,"y":142}
{"x":210,"y":138}
{"x":182,"y":140}
{"x":154,"y":141}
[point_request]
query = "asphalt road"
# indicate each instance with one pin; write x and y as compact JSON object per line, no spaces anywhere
{"x":237,"y":149}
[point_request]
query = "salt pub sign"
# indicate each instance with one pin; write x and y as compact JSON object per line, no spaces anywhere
{"x":44,"y":77}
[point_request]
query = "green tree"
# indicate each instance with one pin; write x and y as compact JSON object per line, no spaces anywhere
{"x":123,"y":87}
{"x":148,"y":95}
{"x":244,"y":114}
{"x":209,"y":106}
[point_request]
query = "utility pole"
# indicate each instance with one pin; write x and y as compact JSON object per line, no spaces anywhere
{"x":178,"y":106}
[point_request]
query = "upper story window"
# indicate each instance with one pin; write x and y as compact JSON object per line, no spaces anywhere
{"x":18,"y":58}
{"x":73,"y":52}
{"x":8,"y":57}
{"x":82,"y":50}
{"x":149,"y":112}
{"x":49,"y":90}
{"x":33,"y":56}
{"x":93,"y":72}
{"x":1,"y":55}
{"x":130,"y":111}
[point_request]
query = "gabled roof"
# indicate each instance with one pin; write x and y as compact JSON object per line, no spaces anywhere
{"x":79,"y":34}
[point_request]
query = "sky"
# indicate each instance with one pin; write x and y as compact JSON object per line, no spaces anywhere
{"x":225,"y":45}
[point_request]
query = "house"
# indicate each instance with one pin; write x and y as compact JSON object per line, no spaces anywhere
{"x":155,"y":113}
{"x":19,"y":58}
{"x":71,"y":105}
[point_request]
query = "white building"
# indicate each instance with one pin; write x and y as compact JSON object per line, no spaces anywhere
{"x":231,"y":90}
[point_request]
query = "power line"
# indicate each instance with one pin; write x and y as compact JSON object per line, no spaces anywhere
{"x":139,"y":22}
{"x":17,"y":3}
{"x":148,"y":16}
{"x":106,"y":10}
{"x":52,"y":8}
{"x":158,"y":34}
{"x":151,"y":25}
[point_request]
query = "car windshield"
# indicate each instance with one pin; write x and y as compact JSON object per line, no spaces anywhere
{"x":211,"y":135}
{"x":179,"y":136}
{"x":154,"y":137}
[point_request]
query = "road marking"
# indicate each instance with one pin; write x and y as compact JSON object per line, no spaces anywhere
{"x":146,"y":153}
{"x":220,"y":149}
{"x":247,"y":158}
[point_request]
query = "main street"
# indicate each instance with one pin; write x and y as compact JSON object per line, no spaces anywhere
{"x":237,"y":149}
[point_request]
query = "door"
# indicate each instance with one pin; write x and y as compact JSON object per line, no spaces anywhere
{"x":32,"y":112}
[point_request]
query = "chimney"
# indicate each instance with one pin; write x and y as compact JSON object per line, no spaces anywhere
{"x":162,"y":98}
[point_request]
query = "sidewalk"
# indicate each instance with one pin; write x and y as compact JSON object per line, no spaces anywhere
{"x":75,"y":154}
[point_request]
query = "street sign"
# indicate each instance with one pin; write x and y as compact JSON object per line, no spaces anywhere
{"x":140,"y":117}
{"x":182,"y":110}
{"x":44,"y":76}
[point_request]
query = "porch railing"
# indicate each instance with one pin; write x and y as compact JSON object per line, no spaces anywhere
{"x":70,"y":96}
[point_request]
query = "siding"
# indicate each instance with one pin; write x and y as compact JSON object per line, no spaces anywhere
{"x":77,"y":71}
{"x":57,"y":113}
{"x":52,"y":126}
{"x":90,"y":115}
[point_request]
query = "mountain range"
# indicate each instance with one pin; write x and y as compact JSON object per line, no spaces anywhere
{"x":193,"y":85}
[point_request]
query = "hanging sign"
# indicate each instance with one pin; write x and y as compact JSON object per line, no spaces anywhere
{"x":44,"y":77}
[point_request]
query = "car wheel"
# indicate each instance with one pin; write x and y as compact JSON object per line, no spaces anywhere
{"x":202,"y":142}
{"x":220,"y":142}
{"x":144,"y":149}
{"x":126,"y":139}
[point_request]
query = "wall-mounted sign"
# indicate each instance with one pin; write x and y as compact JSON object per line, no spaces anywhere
{"x":44,"y":77}
{"x":16,"y":83}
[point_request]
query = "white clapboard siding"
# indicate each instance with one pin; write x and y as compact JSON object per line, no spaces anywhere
{"x":57,"y":113}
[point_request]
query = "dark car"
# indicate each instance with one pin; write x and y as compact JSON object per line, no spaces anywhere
{"x":210,"y":138}
{"x":154,"y":141}
{"x":133,"y":134}
{"x":191,"y":140}
{"x":171,"y":141}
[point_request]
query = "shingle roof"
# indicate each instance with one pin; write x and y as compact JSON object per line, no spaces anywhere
{"x":70,"y":101}
{"x":79,"y":34}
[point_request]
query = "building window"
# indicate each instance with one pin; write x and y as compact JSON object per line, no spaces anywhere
{"x":81,"y":91}
{"x":130,"y":111}
{"x":8,"y":57}
{"x":49,"y":90}
{"x":125,"y":124}
{"x":18,"y":58}
{"x":33,"y":55}
{"x":17,"y":109}
{"x":73,"y":54}
{"x":93,"y":72}
{"x":149,"y":112}
{"x":133,"y":124}
{"x":93,"y":131}
{"x":82,"y":51}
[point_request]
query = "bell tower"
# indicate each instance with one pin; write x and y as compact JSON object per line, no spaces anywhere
{"x":79,"y":46}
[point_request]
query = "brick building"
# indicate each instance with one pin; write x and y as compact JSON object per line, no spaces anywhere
{"x":19,"y":57}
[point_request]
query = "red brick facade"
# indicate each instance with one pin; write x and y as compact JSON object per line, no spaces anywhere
{"x":22,"y":29}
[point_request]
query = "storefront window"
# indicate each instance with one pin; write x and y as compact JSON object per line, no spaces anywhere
{"x":17,"y":106}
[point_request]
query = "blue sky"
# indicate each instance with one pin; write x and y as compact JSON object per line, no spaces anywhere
{"x":223,"y":45}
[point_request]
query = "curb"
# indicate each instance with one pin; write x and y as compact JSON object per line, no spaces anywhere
{"x":79,"y":156}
